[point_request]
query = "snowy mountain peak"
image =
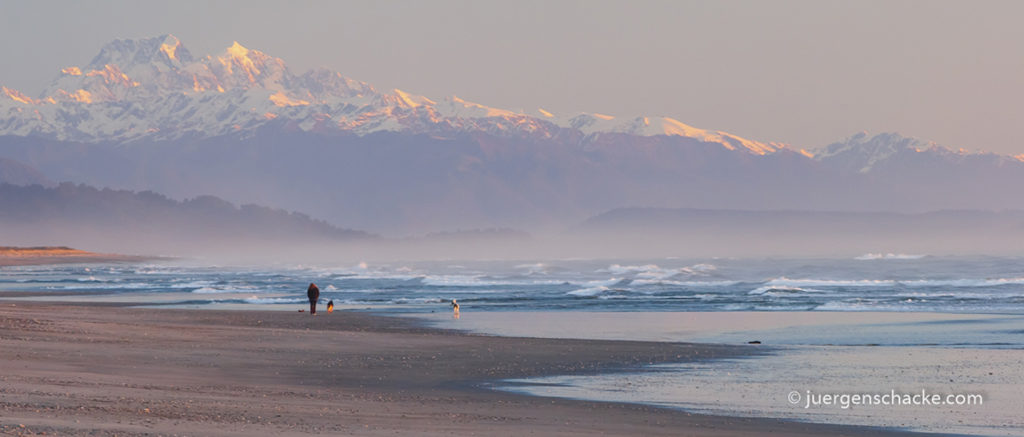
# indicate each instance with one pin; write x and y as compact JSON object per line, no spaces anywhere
{"x":154,"y":88}
{"x":170,"y":47}
{"x":866,"y":152}
{"x":593,"y":123}
{"x":455,"y":107}
{"x":411,"y":100}
{"x":241,"y":67}
{"x":238,"y":51}
{"x":165,"y":49}
{"x":880,"y":145}
{"x":237,"y":56}
{"x":323,"y":84}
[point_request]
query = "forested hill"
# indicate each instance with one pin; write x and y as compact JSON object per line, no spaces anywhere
{"x":74,"y":214}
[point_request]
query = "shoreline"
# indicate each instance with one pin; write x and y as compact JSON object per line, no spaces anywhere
{"x":81,"y":369}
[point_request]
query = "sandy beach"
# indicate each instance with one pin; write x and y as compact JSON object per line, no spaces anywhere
{"x":27,"y":256}
{"x":107,"y":369}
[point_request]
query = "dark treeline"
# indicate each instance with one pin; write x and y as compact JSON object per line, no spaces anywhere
{"x":73,"y":212}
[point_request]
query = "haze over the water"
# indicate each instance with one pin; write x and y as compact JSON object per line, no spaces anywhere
{"x":803,"y":72}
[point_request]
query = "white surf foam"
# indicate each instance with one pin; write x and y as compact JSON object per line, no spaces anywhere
{"x":959,"y":283}
{"x":782,"y":290}
{"x":619,"y":269}
{"x":883,"y":256}
{"x":274,"y":300}
{"x":588,"y":292}
{"x":477,"y":281}
{"x":787,"y":282}
{"x":215,"y":290}
{"x":695,"y":284}
{"x":963,"y":283}
{"x":193,"y":284}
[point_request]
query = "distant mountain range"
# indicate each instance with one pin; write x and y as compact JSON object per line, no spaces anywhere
{"x":148,"y":115}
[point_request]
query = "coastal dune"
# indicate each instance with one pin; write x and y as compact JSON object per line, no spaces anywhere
{"x":107,"y":369}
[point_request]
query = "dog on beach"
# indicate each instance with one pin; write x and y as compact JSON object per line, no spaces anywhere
{"x":455,"y":307}
{"x":330,"y":306}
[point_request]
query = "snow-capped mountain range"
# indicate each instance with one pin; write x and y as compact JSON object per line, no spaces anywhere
{"x":155,"y":89}
{"x":149,"y":115}
{"x":863,"y":153}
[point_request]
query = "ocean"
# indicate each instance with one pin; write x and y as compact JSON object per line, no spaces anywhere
{"x":872,"y":282}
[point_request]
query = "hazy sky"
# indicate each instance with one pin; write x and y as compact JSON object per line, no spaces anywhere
{"x":803,"y":72}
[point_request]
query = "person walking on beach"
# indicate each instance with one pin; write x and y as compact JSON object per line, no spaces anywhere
{"x":313,"y":293}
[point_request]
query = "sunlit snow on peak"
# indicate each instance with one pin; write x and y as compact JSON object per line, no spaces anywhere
{"x":172,"y":93}
{"x":412,"y":101}
{"x":169,"y":50}
{"x":238,"y":51}
{"x":456,"y":107}
{"x":17,"y":96}
{"x":280,"y":99}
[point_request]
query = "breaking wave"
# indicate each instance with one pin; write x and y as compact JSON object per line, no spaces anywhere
{"x":776,"y":290}
{"x":589,"y":292}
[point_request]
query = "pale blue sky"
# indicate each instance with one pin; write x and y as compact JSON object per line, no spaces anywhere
{"x":802,"y":72}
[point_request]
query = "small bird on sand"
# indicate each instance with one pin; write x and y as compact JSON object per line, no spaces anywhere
{"x":330,"y":306}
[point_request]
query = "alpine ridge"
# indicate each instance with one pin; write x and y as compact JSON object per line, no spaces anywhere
{"x":155,"y":89}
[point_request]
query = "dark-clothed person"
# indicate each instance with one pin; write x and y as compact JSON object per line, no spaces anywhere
{"x":313,"y":293}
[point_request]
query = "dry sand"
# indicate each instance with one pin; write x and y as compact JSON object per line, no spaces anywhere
{"x":22,"y":256}
{"x":106,"y":370}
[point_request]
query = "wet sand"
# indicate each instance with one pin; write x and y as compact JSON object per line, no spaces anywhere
{"x":105,"y":370}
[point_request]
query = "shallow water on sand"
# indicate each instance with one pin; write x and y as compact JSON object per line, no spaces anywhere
{"x":989,"y":331}
{"x":791,"y":385}
{"x":809,"y":355}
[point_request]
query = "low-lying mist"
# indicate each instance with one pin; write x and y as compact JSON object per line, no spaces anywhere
{"x":207,"y":227}
{"x":973,"y":234}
